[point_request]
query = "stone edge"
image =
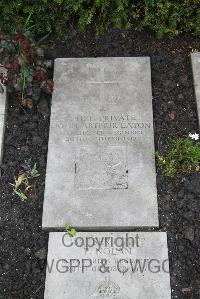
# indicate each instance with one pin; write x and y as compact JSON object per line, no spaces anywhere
{"x":195,"y":58}
{"x":3,"y":104}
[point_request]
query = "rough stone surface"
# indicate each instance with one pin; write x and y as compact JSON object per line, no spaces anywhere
{"x":2,"y":117}
{"x":106,"y":265}
{"x":195,"y":58}
{"x":101,"y":160}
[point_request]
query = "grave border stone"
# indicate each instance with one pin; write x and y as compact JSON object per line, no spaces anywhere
{"x":195,"y":61}
{"x":3,"y":105}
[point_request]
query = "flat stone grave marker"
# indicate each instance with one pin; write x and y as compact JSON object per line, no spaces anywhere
{"x":195,"y":58}
{"x":101,"y":159}
{"x":108,"y":265}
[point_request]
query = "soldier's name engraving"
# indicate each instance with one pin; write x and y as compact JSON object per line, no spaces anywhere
{"x":106,"y":128}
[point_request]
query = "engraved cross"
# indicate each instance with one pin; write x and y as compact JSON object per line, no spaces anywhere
{"x":102,"y":90}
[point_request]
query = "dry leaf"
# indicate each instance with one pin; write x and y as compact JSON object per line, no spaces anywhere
{"x":20,"y":180}
{"x":185,"y":290}
{"x":172,"y":115}
{"x":27,"y":102}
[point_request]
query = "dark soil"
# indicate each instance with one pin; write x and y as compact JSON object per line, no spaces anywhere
{"x":24,"y":244}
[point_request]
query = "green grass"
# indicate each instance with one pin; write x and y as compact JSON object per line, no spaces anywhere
{"x":182,"y":157}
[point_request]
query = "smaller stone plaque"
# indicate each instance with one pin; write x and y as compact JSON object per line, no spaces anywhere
{"x":101,"y":168}
{"x":115,"y":265}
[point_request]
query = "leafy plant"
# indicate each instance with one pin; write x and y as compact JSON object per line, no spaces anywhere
{"x":183,"y":157}
{"x":70,"y":230}
{"x":22,"y":180}
{"x":25,"y":66}
{"x":170,"y":17}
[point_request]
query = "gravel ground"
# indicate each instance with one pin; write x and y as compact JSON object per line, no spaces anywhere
{"x":23,"y":243}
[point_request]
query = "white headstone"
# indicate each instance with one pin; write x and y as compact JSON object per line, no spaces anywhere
{"x":101,"y":160}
